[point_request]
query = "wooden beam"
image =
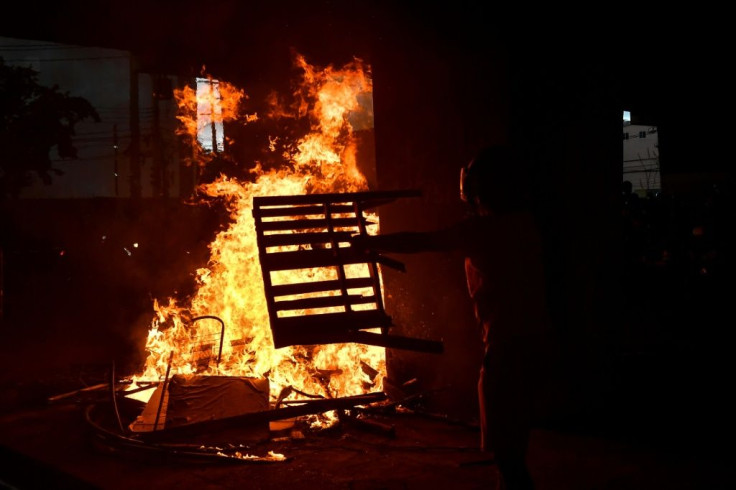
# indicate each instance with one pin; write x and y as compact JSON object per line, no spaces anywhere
{"x":305,"y":407}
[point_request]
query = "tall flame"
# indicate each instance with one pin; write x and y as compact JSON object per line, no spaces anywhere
{"x":231,"y":288}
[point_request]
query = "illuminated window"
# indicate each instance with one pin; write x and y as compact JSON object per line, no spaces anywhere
{"x":209,"y":115}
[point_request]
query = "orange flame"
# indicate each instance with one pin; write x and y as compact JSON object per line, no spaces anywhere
{"x":231,"y":287}
{"x":200,"y":109}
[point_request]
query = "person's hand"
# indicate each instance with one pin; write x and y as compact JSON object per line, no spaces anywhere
{"x":360,"y":243}
{"x":364,"y":245}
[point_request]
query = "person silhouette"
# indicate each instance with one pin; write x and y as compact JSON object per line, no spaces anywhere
{"x":505,"y":277}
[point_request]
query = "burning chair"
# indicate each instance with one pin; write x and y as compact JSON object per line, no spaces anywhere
{"x":318,"y":289}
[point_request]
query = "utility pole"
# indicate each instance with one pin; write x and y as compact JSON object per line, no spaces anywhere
{"x":212,"y":114}
{"x":158,"y":172}
{"x":115,"y":159}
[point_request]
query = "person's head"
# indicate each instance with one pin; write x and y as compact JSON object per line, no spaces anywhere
{"x":496,"y":180}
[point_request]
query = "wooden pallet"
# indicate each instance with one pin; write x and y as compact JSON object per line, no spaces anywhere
{"x":318,"y":289}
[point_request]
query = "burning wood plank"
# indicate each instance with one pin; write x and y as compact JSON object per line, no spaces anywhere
{"x":294,"y":408}
{"x":81,"y":391}
{"x":308,"y":232}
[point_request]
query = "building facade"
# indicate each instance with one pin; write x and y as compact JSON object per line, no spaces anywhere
{"x":641,"y":158}
{"x":133,"y":150}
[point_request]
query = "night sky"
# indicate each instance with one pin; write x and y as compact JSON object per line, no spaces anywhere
{"x":669,"y":61}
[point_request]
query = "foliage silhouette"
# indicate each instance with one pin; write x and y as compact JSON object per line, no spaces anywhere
{"x":35,"y":119}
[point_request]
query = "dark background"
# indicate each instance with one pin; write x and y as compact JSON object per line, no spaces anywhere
{"x":642,"y":350}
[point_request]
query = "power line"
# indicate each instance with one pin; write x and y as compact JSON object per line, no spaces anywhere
{"x":39,"y":60}
{"x":42,"y":47}
{"x":641,"y":160}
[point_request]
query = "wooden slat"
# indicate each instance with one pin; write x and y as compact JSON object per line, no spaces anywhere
{"x":306,"y":259}
{"x":323,"y":302}
{"x":251,"y":419}
{"x":285,"y":239}
{"x":367,"y":197}
{"x":396,"y":342}
{"x":359,"y":337}
{"x":389,"y":262}
{"x":301,"y":210}
{"x":326,"y":322}
{"x":317,"y":286}
{"x":305,"y":224}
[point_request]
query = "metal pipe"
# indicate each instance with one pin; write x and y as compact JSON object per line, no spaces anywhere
{"x":222,"y":331}
{"x":163,"y":391}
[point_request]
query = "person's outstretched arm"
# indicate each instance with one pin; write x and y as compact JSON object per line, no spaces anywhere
{"x":409,"y":241}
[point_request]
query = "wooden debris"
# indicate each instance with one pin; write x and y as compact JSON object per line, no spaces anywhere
{"x":304,"y":232}
{"x":368,"y":425}
{"x":88,"y":389}
{"x":294,"y":408}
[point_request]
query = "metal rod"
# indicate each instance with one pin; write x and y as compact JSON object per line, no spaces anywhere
{"x":304,"y":407}
{"x":222,"y":331}
{"x":77,"y":392}
{"x":163,"y":391}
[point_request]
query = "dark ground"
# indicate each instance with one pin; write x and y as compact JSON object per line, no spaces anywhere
{"x":54,"y":446}
{"x":654,"y":412}
{"x":647,"y":440}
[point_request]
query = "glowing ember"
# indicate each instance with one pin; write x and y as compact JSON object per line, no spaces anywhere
{"x":272,"y":456}
{"x":231,"y":287}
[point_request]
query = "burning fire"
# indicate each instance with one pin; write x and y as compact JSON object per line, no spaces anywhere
{"x":231,"y":287}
